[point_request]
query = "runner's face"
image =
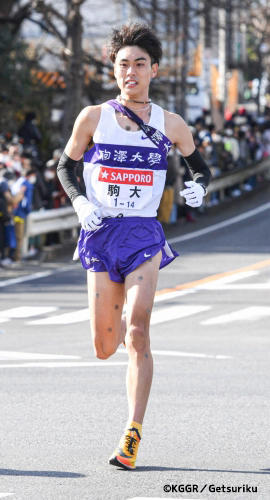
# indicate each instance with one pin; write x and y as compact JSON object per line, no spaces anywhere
{"x":133,"y":71}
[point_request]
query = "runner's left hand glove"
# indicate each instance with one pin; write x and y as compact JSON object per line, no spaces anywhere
{"x":194,"y":194}
{"x":88,"y":214}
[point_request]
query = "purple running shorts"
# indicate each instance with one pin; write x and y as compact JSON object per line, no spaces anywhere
{"x":122,"y":244}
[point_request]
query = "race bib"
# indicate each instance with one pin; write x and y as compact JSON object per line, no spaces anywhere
{"x":123,"y":187}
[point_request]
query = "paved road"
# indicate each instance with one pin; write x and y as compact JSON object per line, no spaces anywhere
{"x":207,"y":424}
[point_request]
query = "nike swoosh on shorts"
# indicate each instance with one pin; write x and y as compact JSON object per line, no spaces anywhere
{"x":146,"y":255}
{"x":142,"y":137}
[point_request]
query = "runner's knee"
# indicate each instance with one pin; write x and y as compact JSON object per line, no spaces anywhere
{"x":137,"y":338}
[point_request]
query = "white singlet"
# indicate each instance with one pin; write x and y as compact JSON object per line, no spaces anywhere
{"x":124,"y":172}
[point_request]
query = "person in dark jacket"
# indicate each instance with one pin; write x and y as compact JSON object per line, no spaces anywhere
{"x":30,"y":134}
{"x":23,"y":208}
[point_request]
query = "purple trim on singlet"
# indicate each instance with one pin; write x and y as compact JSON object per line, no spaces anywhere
{"x":135,"y":157}
{"x":162,"y":142}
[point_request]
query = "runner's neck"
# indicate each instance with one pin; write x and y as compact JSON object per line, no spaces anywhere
{"x":126,"y":100}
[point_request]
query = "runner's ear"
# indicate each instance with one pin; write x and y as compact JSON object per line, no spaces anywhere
{"x":154,"y":70}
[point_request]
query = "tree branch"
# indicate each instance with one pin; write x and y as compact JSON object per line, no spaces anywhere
{"x":40,"y":6}
{"x":18,"y":17}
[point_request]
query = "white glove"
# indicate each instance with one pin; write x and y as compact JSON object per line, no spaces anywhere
{"x":88,"y":214}
{"x":194,"y":194}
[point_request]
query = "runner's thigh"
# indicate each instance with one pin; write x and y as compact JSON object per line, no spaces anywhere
{"x":140,"y":286}
{"x":106,"y":299}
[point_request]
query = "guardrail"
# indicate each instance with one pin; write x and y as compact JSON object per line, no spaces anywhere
{"x":237,"y":177}
{"x":61,"y":219}
{"x":48,"y":221}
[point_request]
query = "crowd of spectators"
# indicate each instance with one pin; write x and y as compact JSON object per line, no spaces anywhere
{"x":28,"y":183}
{"x":242,"y":142}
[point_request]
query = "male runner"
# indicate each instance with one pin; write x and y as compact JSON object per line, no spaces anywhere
{"x":121,"y":243}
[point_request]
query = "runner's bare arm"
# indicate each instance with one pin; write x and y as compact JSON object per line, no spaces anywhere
{"x":83,"y":130}
{"x":179,"y":133}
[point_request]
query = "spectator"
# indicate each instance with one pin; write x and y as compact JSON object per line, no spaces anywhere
{"x":23,"y":208}
{"x":266,"y":140}
{"x":211,"y":152}
{"x":53,"y":193}
{"x":255,"y":143}
{"x":30,"y":134}
{"x":7,"y":202}
{"x":231,"y":145}
{"x":244,"y":149}
{"x":4,"y":217}
{"x":4,"y":155}
{"x":56,"y":196}
{"x":201,"y":133}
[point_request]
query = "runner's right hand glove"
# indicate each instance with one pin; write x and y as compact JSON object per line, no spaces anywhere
{"x":89,"y":216}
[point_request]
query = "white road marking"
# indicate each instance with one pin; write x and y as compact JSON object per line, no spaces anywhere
{"x":182,"y":354}
{"x":22,"y":279}
{"x":10,"y":355}
{"x":68,"y":364}
{"x":252,"y":313}
{"x":16,"y":355}
{"x":166,"y":314}
{"x":172,"y":295}
{"x":220,"y":225}
{"x":63,"y":319}
{"x":174,"y":312}
{"x":162,"y":498}
{"x":4,"y":495}
{"x":35,"y":276}
{"x":227,"y":280}
{"x":25,"y":312}
{"x":242,"y":286}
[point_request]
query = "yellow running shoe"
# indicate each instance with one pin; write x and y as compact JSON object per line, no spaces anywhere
{"x":126,"y":453}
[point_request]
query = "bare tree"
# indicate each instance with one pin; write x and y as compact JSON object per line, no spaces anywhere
{"x":13,"y":14}
{"x":67,"y":28}
{"x":74,"y":65}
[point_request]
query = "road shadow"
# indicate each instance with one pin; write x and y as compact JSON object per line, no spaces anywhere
{"x":186,"y":469}
{"x":39,"y":473}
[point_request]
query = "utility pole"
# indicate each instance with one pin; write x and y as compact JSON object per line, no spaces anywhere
{"x":176,"y":59}
{"x":206,"y":45}
{"x":154,"y":6}
{"x":184,"y":61}
{"x":222,"y":90}
{"x":74,"y":66}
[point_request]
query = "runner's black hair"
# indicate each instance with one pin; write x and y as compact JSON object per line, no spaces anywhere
{"x":135,"y":34}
